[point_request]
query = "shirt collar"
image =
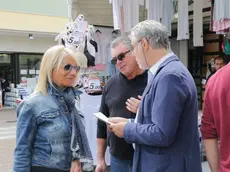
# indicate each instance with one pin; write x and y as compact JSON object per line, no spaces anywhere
{"x":152,"y":71}
{"x":155,"y":67}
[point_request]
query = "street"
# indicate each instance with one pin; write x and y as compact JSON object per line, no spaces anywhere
{"x":7,"y":141}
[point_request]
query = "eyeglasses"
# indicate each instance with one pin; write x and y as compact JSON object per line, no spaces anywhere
{"x":120,"y":57}
{"x":69,"y":67}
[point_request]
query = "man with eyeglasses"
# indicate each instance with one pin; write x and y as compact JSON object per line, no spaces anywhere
{"x":120,"y":98}
{"x":165,"y":131}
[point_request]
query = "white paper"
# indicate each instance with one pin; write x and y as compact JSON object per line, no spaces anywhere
{"x":23,"y":72}
{"x":203,"y":81}
{"x":32,"y":72}
{"x":102,"y":117}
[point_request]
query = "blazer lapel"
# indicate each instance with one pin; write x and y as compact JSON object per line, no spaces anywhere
{"x":150,"y":83}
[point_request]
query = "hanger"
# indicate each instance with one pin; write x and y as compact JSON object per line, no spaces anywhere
{"x":98,"y":31}
{"x":63,"y":42}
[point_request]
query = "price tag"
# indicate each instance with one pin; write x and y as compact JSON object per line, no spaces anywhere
{"x":81,"y":26}
{"x":94,"y":84}
{"x":75,"y":38}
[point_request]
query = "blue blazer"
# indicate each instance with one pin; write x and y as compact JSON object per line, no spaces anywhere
{"x":166,"y":133}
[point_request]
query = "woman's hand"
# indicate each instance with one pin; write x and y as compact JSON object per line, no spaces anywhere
{"x":76,"y":166}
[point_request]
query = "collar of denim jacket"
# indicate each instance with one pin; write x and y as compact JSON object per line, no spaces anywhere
{"x":58,"y":91}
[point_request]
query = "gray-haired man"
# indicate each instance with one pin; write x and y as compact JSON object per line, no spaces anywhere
{"x":165,"y":131}
{"x":119,"y":99}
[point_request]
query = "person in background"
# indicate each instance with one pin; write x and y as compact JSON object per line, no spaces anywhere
{"x":120,"y":98}
{"x":215,"y":121}
{"x":4,"y":86}
{"x":165,"y":131}
{"x":218,"y":64}
{"x":50,"y":136}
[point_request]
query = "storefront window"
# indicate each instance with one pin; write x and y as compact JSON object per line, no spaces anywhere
{"x":29,"y":65}
{"x":5,"y":58}
{"x":6,"y":69}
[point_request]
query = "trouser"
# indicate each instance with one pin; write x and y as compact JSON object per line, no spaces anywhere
{"x":119,"y":165}
{"x":3,"y":98}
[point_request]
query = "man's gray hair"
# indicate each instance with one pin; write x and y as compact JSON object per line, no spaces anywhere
{"x":124,"y":40}
{"x":155,"y":33}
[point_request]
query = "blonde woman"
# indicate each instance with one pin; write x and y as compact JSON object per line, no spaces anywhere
{"x":50,"y":135}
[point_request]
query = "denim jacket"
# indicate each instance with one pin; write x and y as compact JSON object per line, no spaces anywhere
{"x":44,"y":130}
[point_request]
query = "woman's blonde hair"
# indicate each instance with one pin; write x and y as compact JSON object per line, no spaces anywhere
{"x":52,"y":58}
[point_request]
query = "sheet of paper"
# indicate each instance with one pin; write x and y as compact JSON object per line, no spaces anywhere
{"x":102,"y":117}
{"x":23,"y":72}
{"x":31,"y":71}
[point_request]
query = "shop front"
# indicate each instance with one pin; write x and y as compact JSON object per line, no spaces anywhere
{"x":20,"y":57}
{"x":18,"y":70}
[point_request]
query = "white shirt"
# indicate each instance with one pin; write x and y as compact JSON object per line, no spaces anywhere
{"x":151,"y":73}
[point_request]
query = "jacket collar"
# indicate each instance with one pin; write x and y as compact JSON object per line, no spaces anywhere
{"x":162,"y":65}
{"x":167,"y":61}
{"x":57,"y":91}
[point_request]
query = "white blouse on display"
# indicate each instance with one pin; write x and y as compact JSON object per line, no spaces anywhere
{"x":117,"y":4}
{"x":131,"y":13}
{"x":198,"y":23}
{"x":161,"y":11}
{"x":102,"y":44}
{"x":182,"y":24}
{"x":221,"y":9}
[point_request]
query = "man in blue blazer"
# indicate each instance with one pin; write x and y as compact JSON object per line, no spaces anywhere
{"x":165,"y":131}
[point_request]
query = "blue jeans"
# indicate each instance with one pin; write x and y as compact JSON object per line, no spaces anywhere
{"x":119,"y":165}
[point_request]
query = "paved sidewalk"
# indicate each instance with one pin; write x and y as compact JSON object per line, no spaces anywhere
{"x":7,"y":139}
{"x":8,"y":117}
{"x":7,"y":145}
{"x":6,"y":154}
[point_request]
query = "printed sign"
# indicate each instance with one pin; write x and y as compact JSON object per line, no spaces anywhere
{"x":32,"y":72}
{"x":94,"y":84}
{"x":23,"y":72}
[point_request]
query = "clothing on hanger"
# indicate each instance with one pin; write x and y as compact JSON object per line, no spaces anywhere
{"x":155,"y":9}
{"x":221,"y":9}
{"x":102,"y":44}
{"x":198,"y":23}
{"x":116,"y":4}
{"x":167,"y":17}
{"x":183,"y":24}
{"x":90,"y":58}
{"x":94,"y":44}
{"x":226,"y":46}
{"x":131,"y":13}
{"x":220,"y":16}
{"x":161,"y":11}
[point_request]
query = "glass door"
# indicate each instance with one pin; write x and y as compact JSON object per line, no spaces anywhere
{"x":6,"y":67}
{"x":29,"y":65}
